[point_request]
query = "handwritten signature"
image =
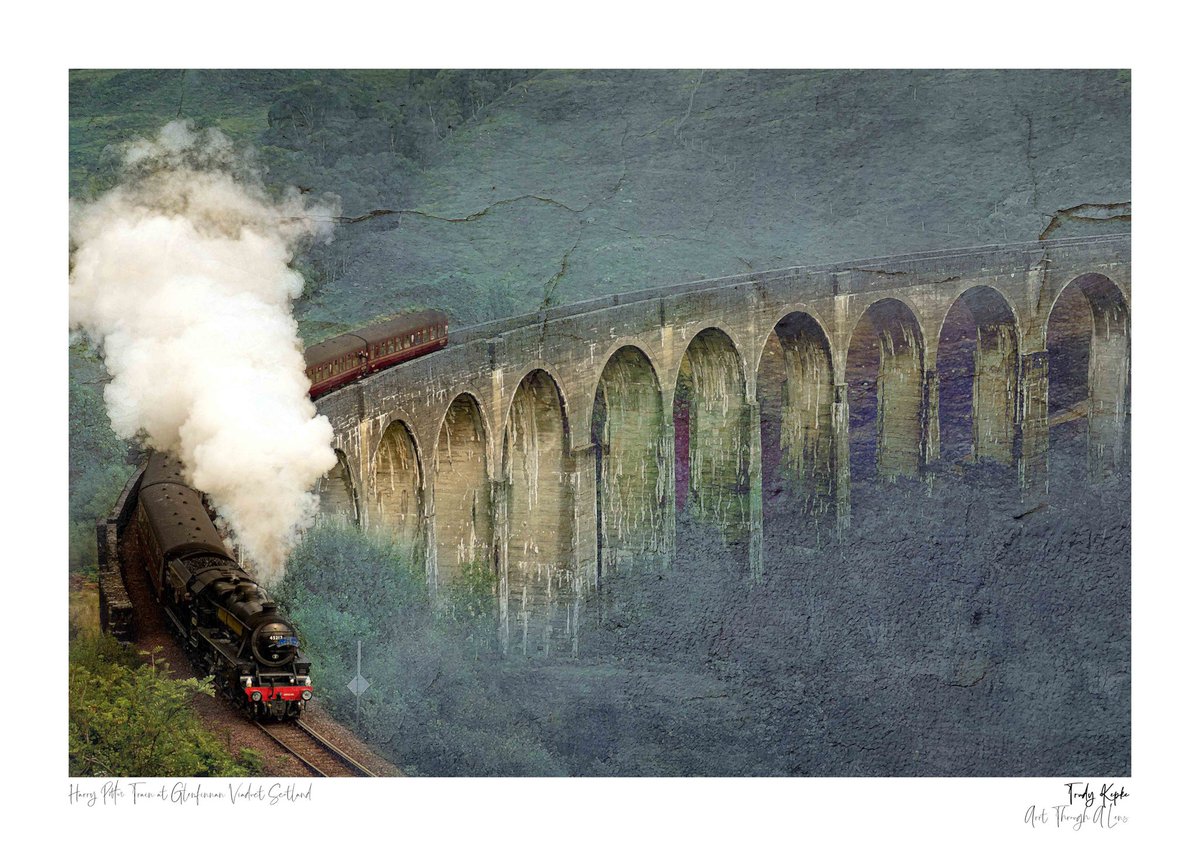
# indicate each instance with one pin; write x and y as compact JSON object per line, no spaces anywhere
{"x":1081,"y":808}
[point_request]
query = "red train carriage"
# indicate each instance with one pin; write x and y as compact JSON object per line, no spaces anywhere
{"x":345,"y":358}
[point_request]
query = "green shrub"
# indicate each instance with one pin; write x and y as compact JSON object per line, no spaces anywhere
{"x":437,"y":703}
{"x":129,"y":718}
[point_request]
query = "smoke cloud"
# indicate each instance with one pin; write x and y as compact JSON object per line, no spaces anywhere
{"x":180,"y":276}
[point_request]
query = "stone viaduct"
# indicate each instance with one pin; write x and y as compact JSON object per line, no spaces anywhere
{"x":543,"y":447}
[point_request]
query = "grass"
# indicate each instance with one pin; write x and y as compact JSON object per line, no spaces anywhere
{"x":84,"y":610}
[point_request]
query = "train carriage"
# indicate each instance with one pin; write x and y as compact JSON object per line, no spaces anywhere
{"x":369,"y":349}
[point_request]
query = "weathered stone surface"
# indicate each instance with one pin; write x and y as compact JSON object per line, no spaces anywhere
{"x":569,"y":401}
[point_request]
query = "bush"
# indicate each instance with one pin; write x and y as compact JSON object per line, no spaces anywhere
{"x":129,"y":718}
{"x":437,"y":703}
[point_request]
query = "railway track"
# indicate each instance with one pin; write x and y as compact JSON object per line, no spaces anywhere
{"x":313,"y":750}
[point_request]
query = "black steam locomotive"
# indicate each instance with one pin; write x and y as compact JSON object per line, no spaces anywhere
{"x":229,"y":625}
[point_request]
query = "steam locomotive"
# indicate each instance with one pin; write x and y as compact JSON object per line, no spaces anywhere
{"x":230,"y":627}
{"x":345,"y":358}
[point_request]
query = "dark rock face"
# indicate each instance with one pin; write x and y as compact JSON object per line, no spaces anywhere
{"x":580,"y":184}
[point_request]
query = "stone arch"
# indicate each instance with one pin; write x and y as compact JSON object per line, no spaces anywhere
{"x":398,"y":488}
{"x":671,"y":379}
{"x":336,"y":494}
{"x":653,"y":357}
{"x":887,"y":392}
{"x":629,"y":433}
{"x":795,"y":391}
{"x":978,"y":368}
{"x":1088,"y":360}
{"x":462,"y":491}
{"x":894,"y":300}
{"x":537,"y":578}
{"x":712,"y":433}
{"x":549,"y":373}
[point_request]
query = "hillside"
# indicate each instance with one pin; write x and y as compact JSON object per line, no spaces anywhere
{"x":577,"y":183}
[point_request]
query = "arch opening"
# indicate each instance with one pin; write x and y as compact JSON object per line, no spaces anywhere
{"x":978,"y":364}
{"x":538,"y":578}
{"x":336,"y":497}
{"x":885,"y":387}
{"x":795,"y":396}
{"x":397,"y":489}
{"x":463,"y":526}
{"x":712,"y":435}
{"x":628,"y":433}
{"x":1088,"y":361}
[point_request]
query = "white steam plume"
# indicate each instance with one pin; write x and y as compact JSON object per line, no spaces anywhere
{"x":180,"y":275}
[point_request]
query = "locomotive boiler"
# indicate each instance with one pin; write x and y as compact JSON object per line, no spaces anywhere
{"x":230,"y":626}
